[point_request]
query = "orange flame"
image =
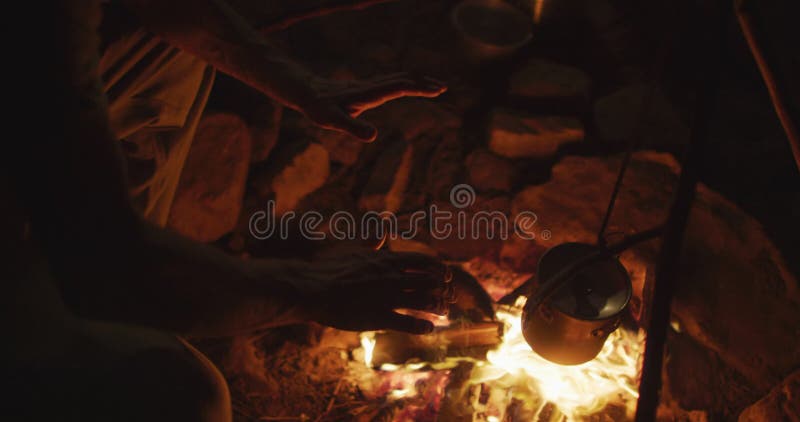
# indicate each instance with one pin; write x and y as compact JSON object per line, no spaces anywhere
{"x":577,"y":390}
{"x":513,"y":370}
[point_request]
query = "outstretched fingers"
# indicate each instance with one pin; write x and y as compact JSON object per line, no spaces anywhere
{"x":379,"y":93}
{"x":430,"y":301}
{"x":343,"y":122}
{"x":338,"y":108}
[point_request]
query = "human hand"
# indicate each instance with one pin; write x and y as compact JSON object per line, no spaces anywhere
{"x":336,"y":104}
{"x":363,"y":292}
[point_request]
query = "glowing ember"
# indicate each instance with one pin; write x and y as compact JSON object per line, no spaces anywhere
{"x":514,"y":378}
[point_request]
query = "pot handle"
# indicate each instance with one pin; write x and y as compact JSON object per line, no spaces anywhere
{"x":550,"y":285}
{"x":607,"y":329}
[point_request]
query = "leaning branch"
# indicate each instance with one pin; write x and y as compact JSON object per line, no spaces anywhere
{"x":753,"y":32}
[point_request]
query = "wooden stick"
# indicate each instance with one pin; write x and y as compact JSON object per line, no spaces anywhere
{"x":397,"y":348}
{"x":754,"y":35}
{"x":672,"y":240}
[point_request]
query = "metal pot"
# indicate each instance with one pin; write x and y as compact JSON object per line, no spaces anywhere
{"x":491,"y":29}
{"x":569,"y":318}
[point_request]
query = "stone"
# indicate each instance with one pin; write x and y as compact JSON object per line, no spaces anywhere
{"x":334,"y":196}
{"x":342,"y":148}
{"x":735,"y":295}
{"x":497,"y":280}
{"x":475,"y":240}
{"x":538,"y":137}
{"x":445,"y":166}
{"x":540,"y":78}
{"x":295,"y":170}
{"x":427,"y":178}
{"x":209,"y":195}
{"x":332,"y":199}
{"x":385,"y":188}
{"x":414,"y":117}
{"x":307,"y":172}
{"x":521,"y":254}
{"x":781,"y":404}
{"x":696,"y":379}
{"x":487,"y":171}
{"x":264,"y":130}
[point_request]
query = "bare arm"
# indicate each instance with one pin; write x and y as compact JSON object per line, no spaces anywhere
{"x":111,"y":265}
{"x":212,"y":30}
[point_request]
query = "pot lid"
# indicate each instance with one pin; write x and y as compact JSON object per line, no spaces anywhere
{"x":599,"y":290}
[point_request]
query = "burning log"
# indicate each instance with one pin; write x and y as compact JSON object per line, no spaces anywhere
{"x":458,"y":341}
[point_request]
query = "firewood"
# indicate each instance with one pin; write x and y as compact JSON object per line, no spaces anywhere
{"x":459,"y":341}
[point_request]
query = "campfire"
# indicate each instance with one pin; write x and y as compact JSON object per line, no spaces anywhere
{"x":541,"y":210}
{"x":512,"y":382}
{"x":545,"y":135}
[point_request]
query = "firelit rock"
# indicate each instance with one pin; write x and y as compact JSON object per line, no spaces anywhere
{"x":305,"y":173}
{"x":209,"y":195}
{"x":545,"y":79}
{"x":538,"y":137}
{"x":520,"y":254}
{"x":570,"y":206}
{"x":498,"y":280}
{"x":480,"y":233}
{"x":695,"y":379}
{"x":387,"y":183}
{"x":781,"y":404}
{"x":265,"y":129}
{"x":735,"y":295}
{"x":342,"y":148}
{"x":445,"y":167}
{"x":413,"y":117}
{"x":487,"y":171}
